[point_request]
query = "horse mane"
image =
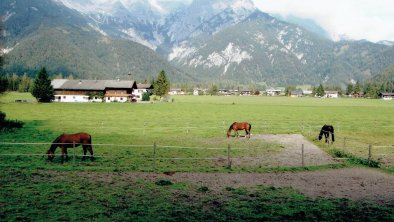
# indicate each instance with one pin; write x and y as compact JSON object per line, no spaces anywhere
{"x":231,"y":126}
{"x":55,"y":143}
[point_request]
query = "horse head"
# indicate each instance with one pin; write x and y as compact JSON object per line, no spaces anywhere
{"x":51,"y":155}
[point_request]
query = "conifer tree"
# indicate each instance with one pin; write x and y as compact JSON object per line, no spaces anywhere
{"x":320,"y":90}
{"x":349,"y":89}
{"x":42,"y":88}
{"x":162,"y":84}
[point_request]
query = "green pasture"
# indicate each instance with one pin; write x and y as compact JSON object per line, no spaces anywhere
{"x":190,"y":129}
{"x":193,"y":127}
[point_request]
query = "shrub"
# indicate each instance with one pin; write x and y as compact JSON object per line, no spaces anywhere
{"x":9,"y":124}
{"x":146,"y":96}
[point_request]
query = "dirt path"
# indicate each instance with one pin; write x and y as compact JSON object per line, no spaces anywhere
{"x":291,"y":154}
{"x":351,"y":183}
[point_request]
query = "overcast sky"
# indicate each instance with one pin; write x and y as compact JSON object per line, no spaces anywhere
{"x":357,"y":19}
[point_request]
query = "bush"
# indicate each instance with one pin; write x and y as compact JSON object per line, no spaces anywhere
{"x":9,"y":124}
{"x":146,"y":96}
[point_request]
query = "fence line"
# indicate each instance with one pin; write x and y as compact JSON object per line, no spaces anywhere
{"x":125,"y":145}
{"x":155,"y":158}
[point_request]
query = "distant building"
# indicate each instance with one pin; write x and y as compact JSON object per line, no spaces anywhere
{"x":386,"y":96}
{"x":245,"y":92}
{"x":224,"y":92}
{"x":331,"y":94}
{"x":93,"y":90}
{"x":176,"y":92}
{"x":198,"y":91}
{"x":358,"y":95}
{"x":273,"y":92}
{"x":141,"y":89}
{"x":296,"y":93}
{"x":307,"y":92}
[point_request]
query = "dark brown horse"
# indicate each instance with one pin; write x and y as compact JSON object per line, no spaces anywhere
{"x":326,"y":130}
{"x":239,"y":126}
{"x":65,"y":141}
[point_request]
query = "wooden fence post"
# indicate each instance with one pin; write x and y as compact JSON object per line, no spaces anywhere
{"x":302,"y":155}
{"x":369,"y":154}
{"x":154,"y":156}
{"x":228,"y":157}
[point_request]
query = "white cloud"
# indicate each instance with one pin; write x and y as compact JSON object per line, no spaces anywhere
{"x":358,"y":19}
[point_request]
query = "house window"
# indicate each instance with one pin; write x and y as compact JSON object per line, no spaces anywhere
{"x":95,"y":97}
{"x":121,"y":98}
{"x":108,"y":98}
{"x":64,"y":97}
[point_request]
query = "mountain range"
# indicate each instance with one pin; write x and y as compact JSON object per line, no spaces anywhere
{"x":193,"y":41}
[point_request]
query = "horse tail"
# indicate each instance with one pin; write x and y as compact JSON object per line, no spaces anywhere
{"x":90,"y":141}
{"x":250,"y":127}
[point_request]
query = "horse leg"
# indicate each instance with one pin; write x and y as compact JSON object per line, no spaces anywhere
{"x":90,"y":148}
{"x":62,"y":159}
{"x":84,"y":152}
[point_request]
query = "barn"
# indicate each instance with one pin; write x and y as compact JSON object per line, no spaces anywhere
{"x":93,"y":90}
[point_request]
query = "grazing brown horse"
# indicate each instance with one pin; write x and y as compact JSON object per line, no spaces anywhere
{"x":65,"y":141}
{"x":239,"y":126}
{"x":326,"y":130}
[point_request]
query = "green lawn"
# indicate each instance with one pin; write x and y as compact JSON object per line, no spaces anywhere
{"x":33,"y":189}
{"x":196,"y":121}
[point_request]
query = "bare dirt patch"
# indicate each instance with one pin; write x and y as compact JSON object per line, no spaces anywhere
{"x":351,"y":183}
{"x":290,"y":155}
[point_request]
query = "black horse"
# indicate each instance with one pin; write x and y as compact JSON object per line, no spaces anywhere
{"x":326,"y":130}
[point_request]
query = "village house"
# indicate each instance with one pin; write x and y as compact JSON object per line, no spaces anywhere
{"x":245,"y":92}
{"x":358,"y":95}
{"x":176,"y":92}
{"x":93,"y":90}
{"x":199,"y":91}
{"x":224,"y":92}
{"x":296,"y":93}
{"x":273,"y":92}
{"x":386,"y":96}
{"x":141,"y":89}
{"x":330,"y":94}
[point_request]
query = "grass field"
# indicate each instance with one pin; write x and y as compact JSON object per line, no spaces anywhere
{"x":189,"y":128}
{"x":199,"y":121}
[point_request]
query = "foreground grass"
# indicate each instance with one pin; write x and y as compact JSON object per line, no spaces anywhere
{"x":29,"y":195}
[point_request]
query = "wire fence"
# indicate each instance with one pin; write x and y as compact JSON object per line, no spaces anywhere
{"x":153,"y":154}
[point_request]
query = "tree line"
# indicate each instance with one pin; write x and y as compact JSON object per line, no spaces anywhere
{"x":41,"y":87}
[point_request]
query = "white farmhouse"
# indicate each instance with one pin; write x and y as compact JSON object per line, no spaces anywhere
{"x":331,"y":94}
{"x":93,"y":90}
{"x":141,"y":89}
